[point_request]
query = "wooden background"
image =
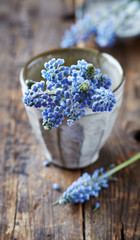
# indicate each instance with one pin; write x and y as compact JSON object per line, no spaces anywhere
{"x":27,"y":28}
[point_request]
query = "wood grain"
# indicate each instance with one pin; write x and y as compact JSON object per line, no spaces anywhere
{"x":26,"y":195}
{"x":26,"y":198}
{"x":119,"y":216}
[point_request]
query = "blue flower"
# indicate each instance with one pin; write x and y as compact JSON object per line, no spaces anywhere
{"x":90,"y":185}
{"x":46,"y":163}
{"x":104,"y":31}
{"x":78,"y":32}
{"x":105,"y":35}
{"x":67,"y":91}
{"x":97,"y":205}
{"x":105,"y":24}
{"x":56,"y":187}
{"x":85,"y":187}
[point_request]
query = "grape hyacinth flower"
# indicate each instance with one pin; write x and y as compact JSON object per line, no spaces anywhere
{"x":105,"y":34}
{"x":56,"y":187}
{"x":97,"y":205}
{"x":78,"y":32}
{"x":47,"y":163}
{"x":90,"y":185}
{"x":66,"y":92}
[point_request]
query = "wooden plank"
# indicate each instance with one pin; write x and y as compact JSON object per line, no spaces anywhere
{"x":26,"y":196}
{"x":119,"y":215}
{"x":119,"y":203}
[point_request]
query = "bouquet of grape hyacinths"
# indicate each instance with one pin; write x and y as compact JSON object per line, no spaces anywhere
{"x":68,"y":91}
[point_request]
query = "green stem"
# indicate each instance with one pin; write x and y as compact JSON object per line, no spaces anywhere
{"x":121,"y":166}
{"x":55,"y":203}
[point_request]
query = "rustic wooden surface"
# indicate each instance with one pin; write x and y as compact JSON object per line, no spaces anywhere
{"x":27,"y":28}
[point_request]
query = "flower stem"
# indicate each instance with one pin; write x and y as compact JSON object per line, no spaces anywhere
{"x":55,"y":203}
{"x":121,"y":166}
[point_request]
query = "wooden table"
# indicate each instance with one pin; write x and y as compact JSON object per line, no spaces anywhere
{"x":26,"y":195}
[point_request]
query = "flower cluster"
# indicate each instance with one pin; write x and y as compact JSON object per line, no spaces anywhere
{"x":68,"y":91}
{"x":90,"y":185}
{"x":85,"y":187}
{"x":78,"y":32}
{"x":106,"y":22}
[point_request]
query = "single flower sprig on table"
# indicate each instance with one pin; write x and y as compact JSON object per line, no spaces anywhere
{"x":68,"y":91}
{"x":89,"y":185}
